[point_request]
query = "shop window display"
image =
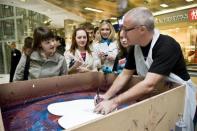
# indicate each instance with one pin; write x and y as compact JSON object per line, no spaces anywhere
{"x":187,"y":37}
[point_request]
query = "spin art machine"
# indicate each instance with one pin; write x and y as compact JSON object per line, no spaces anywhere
{"x":24,"y":104}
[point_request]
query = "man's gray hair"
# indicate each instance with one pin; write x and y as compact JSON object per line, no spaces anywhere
{"x":141,"y":16}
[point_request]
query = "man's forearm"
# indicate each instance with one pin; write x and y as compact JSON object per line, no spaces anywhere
{"x":132,"y":94}
{"x":118,"y":84}
{"x":140,"y":89}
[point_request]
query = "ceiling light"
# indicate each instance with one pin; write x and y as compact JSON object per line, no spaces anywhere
{"x":47,"y":21}
{"x":113,"y":18}
{"x":164,"y":5}
{"x":189,"y":0}
{"x":92,"y":9}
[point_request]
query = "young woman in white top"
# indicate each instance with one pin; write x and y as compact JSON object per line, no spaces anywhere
{"x":80,"y":58}
{"x":107,"y":48}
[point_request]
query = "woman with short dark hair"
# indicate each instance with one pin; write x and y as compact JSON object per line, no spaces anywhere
{"x":44,"y":61}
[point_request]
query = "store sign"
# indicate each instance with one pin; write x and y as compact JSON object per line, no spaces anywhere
{"x":171,"y":18}
{"x":177,"y":17}
{"x":192,"y":14}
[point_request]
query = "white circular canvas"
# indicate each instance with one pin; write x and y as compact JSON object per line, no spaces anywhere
{"x":74,"y":112}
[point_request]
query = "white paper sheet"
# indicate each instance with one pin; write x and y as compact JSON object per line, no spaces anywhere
{"x":74,"y":112}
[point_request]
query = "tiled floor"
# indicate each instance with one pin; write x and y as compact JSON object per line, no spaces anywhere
{"x":4,"y":78}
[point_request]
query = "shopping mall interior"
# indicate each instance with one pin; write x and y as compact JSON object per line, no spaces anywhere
{"x":18,"y":18}
{"x":151,"y":101}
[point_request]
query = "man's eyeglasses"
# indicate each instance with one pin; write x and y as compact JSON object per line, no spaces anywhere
{"x":129,"y":29}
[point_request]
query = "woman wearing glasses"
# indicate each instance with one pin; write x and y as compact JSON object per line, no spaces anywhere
{"x":107,"y":48}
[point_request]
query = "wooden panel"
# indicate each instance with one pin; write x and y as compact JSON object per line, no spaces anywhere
{"x":158,"y":113}
{"x":77,"y":7}
{"x":24,"y":91}
{"x":111,"y":7}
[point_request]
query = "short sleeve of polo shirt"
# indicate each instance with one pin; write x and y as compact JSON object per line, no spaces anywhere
{"x":166,"y":53}
{"x":130,"y":63}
